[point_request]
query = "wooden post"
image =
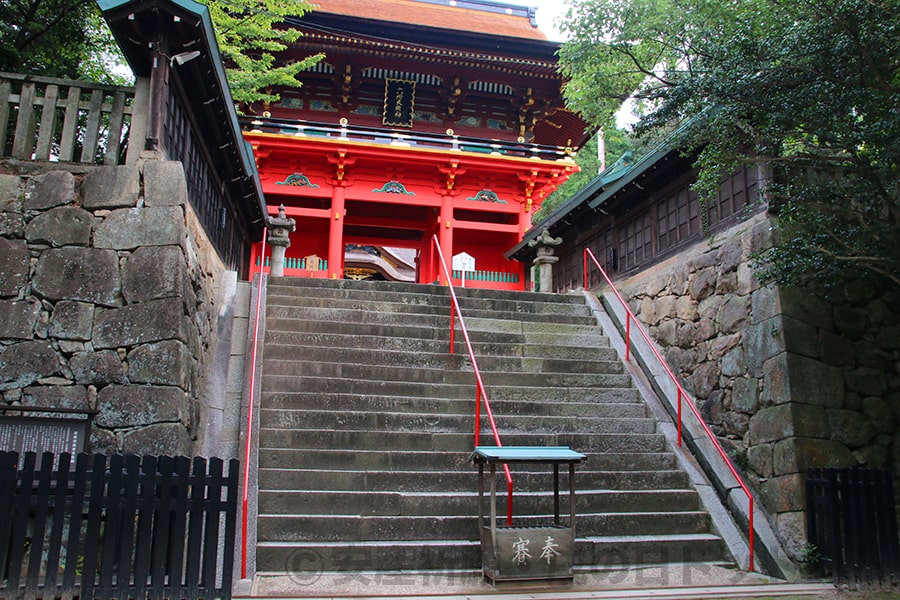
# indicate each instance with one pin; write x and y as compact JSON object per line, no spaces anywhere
{"x":24,"y":123}
{"x":139,"y":118}
{"x":159,"y":91}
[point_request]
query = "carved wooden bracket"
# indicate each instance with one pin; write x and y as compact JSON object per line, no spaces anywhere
{"x":450,"y":172}
{"x":529,"y":181}
{"x":341,"y":161}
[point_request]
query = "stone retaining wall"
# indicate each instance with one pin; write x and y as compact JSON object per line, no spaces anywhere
{"x":107,"y":301}
{"x":786,"y":379}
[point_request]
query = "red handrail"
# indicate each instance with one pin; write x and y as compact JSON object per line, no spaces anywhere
{"x":249,"y":437}
{"x":681,"y":393}
{"x":481,"y":392}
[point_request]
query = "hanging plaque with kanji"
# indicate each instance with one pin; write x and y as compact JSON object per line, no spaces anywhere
{"x":399,"y":100}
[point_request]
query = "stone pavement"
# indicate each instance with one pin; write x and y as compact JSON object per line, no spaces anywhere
{"x":694,"y":580}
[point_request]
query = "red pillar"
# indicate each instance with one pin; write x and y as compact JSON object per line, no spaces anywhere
{"x":423,"y":267}
{"x":427,"y":261}
{"x":524,"y":219}
{"x":336,"y":233}
{"x":445,"y":236}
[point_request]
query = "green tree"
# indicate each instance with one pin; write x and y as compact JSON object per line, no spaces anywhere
{"x":808,"y":88}
{"x":589,"y":163}
{"x":55,"y":38}
{"x":250,"y":34}
{"x":617,"y":142}
{"x":67,"y":38}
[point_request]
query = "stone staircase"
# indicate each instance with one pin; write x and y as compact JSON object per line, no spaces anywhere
{"x":366,"y":426}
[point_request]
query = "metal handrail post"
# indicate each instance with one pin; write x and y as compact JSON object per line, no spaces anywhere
{"x":481,"y":392}
{"x":249,"y":437}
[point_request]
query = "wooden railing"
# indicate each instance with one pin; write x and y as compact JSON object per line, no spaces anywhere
{"x":62,"y":120}
{"x":380,"y":135}
{"x":306,"y":263}
{"x":490,"y":276}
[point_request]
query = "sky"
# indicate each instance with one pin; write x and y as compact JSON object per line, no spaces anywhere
{"x":547,"y":13}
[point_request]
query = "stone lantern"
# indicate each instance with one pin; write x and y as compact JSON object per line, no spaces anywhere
{"x":544,"y":261}
{"x":280,"y":229}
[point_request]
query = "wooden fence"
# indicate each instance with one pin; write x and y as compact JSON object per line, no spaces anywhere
{"x":61,"y":120}
{"x":122,"y":527}
{"x":852,"y":526}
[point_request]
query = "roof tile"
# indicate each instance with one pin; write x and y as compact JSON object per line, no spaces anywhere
{"x":434,"y":15}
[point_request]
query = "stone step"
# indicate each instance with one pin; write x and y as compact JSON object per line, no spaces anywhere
{"x":353,"y":378}
{"x":308,"y":560}
{"x":303,"y":327}
{"x":398,"y":502}
{"x":511,"y":393}
{"x":480,"y":331}
{"x":630,"y":551}
{"x":299,"y":420}
{"x":343,"y":440}
{"x":457,"y":479}
{"x":413,"y":291}
{"x":441,"y":346}
{"x":417,"y":471}
{"x":496,"y":393}
{"x":336,"y":459}
{"x":481,"y":320}
{"x":437,"y":526}
{"x":293,"y":307}
{"x":325,"y":385}
{"x":437,"y":360}
{"x":604,"y":551}
{"x":428,"y":300}
{"x":280,"y":403}
{"x":346,"y":472}
{"x":367,"y":429}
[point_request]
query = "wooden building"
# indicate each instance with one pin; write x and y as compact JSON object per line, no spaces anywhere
{"x":426,"y":118}
{"x":639,"y":212}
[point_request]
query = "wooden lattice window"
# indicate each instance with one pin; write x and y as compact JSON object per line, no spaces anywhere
{"x":678,"y":217}
{"x":636,"y":242}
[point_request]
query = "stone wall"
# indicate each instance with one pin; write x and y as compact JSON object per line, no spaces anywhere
{"x":107,"y":301}
{"x":786,"y":379}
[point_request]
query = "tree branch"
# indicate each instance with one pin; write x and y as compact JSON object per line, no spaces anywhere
{"x":61,"y":16}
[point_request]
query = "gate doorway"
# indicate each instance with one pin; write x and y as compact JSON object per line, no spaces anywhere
{"x":370,"y":262}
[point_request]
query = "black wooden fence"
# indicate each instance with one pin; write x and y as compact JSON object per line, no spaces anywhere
{"x":852,"y":526}
{"x":123,"y":527}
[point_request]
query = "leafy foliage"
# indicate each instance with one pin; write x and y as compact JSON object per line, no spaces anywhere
{"x":589,"y":163}
{"x":617,"y":142}
{"x":56,"y":38}
{"x":68,"y":39}
{"x":250,"y":34}
{"x":809,"y":89}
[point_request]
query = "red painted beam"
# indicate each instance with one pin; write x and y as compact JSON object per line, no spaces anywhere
{"x":296,"y":211}
{"x":482,"y":226}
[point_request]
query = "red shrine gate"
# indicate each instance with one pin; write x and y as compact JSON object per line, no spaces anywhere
{"x":425,"y":118}
{"x":370,"y":188}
